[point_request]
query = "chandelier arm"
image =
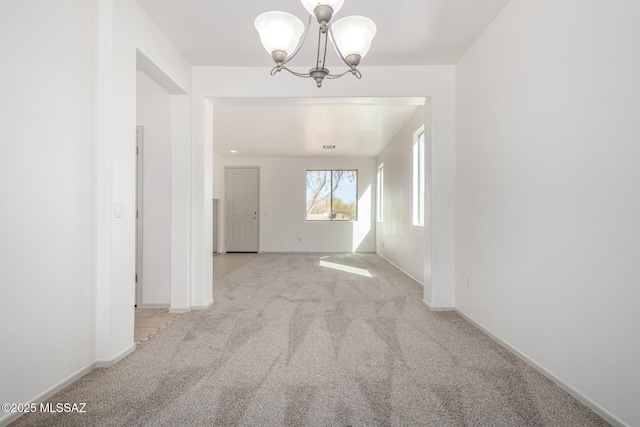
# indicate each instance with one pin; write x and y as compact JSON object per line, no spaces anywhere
{"x":301,"y":42}
{"x":356,"y":73}
{"x":337,"y":76}
{"x":333,"y":39}
{"x":306,"y":76}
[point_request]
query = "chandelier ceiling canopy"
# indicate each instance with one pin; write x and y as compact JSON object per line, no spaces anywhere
{"x":283,"y":34}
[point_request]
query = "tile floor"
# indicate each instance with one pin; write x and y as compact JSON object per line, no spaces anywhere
{"x":148,"y":321}
{"x":226,"y":263}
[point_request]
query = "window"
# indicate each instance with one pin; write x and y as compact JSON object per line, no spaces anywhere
{"x":418,"y":177}
{"x":380,"y":198}
{"x":332,"y":195}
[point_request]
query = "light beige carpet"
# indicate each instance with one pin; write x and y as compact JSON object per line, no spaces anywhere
{"x":310,"y":340}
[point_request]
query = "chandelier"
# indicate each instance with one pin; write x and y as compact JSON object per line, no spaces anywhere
{"x":283,"y":34}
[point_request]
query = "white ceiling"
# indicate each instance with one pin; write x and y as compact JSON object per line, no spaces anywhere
{"x":410,"y":32}
{"x":299,"y":127}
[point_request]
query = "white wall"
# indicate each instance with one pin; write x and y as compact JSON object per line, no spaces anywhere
{"x":398,"y":240}
{"x":436,"y":82}
{"x":124,"y":31}
{"x":283,"y":200}
{"x":548,"y":192}
{"x":46,"y":213}
{"x":154,"y":114}
{"x":68,"y":118}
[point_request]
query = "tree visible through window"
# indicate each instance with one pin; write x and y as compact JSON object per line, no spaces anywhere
{"x":332,"y":195}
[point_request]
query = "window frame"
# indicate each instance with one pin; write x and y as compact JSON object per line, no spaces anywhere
{"x":331,"y":196}
{"x":380,"y":193}
{"x":419,"y":175}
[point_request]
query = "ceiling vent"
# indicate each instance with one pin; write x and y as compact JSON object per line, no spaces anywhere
{"x":329,"y":147}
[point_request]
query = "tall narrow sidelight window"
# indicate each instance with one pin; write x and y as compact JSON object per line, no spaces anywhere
{"x":380,"y":198}
{"x":418,"y":177}
{"x":332,"y":195}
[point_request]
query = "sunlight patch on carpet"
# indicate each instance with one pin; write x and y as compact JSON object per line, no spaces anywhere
{"x":346,"y":268}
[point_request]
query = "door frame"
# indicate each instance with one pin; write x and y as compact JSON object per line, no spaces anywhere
{"x":139,"y":210}
{"x":215,"y":209}
{"x":226,"y":169}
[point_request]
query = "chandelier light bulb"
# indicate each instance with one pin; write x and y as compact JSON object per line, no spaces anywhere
{"x":353,"y":35}
{"x":279,"y":31}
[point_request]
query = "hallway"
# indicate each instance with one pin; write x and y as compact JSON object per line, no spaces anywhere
{"x":307,"y":339}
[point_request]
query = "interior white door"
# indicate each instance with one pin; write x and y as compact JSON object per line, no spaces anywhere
{"x":242,"y":210}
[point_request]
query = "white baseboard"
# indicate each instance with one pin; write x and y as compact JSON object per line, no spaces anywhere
{"x":390,"y":262}
{"x":113,"y":361}
{"x":588,"y":403}
{"x":153,"y":306}
{"x":195,"y":307}
{"x":438,"y":308}
{"x":202,"y":307}
{"x":42,"y":397}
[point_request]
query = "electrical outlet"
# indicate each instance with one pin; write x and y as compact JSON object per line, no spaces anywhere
{"x":468,"y":283}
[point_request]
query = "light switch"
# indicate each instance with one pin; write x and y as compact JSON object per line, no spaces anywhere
{"x":117,"y":209}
